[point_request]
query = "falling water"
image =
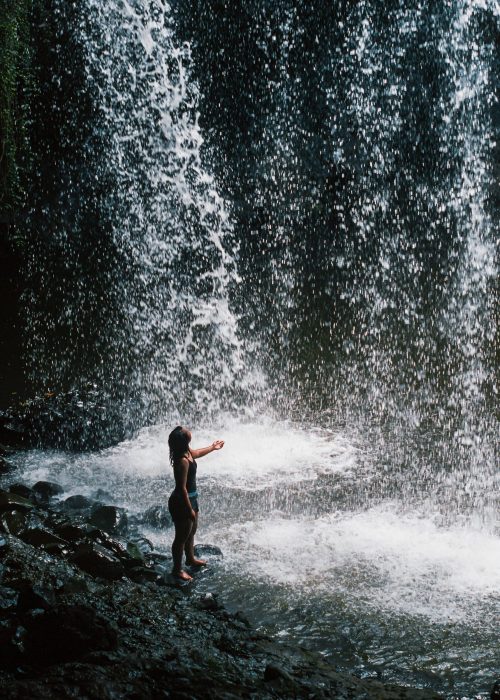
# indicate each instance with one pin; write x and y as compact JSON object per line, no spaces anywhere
{"x":336,"y":323}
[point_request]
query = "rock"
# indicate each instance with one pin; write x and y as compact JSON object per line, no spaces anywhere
{"x":39,"y":537}
{"x":201,"y":550}
{"x":157,"y":516}
{"x":77,"y":502}
{"x":47,"y":488}
{"x":12,"y":432}
{"x":5,"y":467}
{"x":36,"y":596}
{"x":495,"y":691}
{"x":110,"y":519}
{"x":21,"y":490}
{"x":209,"y":602}
{"x":72,"y":533}
{"x":134,"y":552}
{"x":274,"y":672}
{"x":13,"y":522}
{"x":102,"y":495}
{"x":3,"y":544}
{"x":8,"y":598}
{"x":145,"y":545}
{"x":98,"y":561}
{"x":68,"y":632}
{"x":140,"y":574}
{"x":11,"y":501}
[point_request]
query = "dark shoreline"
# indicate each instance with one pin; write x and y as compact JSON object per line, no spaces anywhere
{"x":88,"y":610}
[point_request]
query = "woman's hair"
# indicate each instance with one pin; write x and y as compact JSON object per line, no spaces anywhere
{"x":178,"y":443}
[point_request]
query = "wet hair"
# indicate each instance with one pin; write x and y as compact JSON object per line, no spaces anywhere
{"x":178,"y":443}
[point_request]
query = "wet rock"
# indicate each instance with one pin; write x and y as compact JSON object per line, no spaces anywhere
{"x":47,"y":489}
{"x":72,"y":532}
{"x":39,"y":537}
{"x":5,"y":467}
{"x":77,"y":502}
{"x":103,"y":496}
{"x":273,"y":672}
{"x":495,"y":691}
{"x":21,"y":490}
{"x":12,"y":431}
{"x":110,"y":519}
{"x":13,"y":522}
{"x":3,"y":544}
{"x":98,"y":561}
{"x":145,"y":545}
{"x":8,"y":598}
{"x":140,"y":574}
{"x":36,"y":596}
{"x":11,"y":501}
{"x":204,"y":550}
{"x":134,"y":552}
{"x":209,"y":602}
{"x":157,"y":516}
{"x":68,"y":632}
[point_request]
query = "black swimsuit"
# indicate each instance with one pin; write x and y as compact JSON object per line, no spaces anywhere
{"x":176,"y":504}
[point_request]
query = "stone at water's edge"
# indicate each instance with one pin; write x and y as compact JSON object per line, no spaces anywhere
{"x":77,"y":502}
{"x":21,"y":490}
{"x":203,"y":550}
{"x":109,"y":518}
{"x":68,"y":632}
{"x":98,"y":561}
{"x":157,"y":516}
{"x":47,"y":488}
{"x":11,"y":501}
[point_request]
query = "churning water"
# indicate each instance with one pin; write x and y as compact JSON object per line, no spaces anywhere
{"x":356,"y":496}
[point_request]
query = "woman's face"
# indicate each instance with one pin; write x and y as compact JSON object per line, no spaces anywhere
{"x":187,"y":433}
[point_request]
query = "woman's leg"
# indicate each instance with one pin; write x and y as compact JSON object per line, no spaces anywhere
{"x":182,"y":532}
{"x":191,"y":560}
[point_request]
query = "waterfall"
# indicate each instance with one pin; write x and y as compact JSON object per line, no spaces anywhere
{"x":161,"y":330}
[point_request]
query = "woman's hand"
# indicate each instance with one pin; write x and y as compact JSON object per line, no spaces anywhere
{"x":218,"y":445}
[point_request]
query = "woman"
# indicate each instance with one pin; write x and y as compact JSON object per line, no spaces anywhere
{"x":183,"y":502}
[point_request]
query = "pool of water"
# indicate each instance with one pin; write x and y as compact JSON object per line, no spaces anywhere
{"x":319,"y":549}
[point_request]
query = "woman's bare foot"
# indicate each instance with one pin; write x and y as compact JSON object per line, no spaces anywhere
{"x":182,"y":575}
{"x":196,"y":562}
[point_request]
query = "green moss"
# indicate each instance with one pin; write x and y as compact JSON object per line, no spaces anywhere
{"x":15,"y":84}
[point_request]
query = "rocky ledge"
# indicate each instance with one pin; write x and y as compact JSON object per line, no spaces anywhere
{"x":89,"y":610}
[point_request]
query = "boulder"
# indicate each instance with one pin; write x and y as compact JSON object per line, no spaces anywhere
{"x":72,"y":532}
{"x":68,"y":632}
{"x":140,"y":574}
{"x":47,"y":488}
{"x":157,"y":516}
{"x":77,"y":502}
{"x":98,"y":561}
{"x":274,"y":672}
{"x":109,"y":518}
{"x":36,"y":596}
{"x":204,"y":550}
{"x":8,"y":598}
{"x":40,"y":537}
{"x":5,"y":467}
{"x":21,"y":490}
{"x":13,"y":522}
{"x":11,"y":501}
{"x":134,"y":552}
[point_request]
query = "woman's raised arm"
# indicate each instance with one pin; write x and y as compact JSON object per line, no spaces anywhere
{"x":202,"y":451}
